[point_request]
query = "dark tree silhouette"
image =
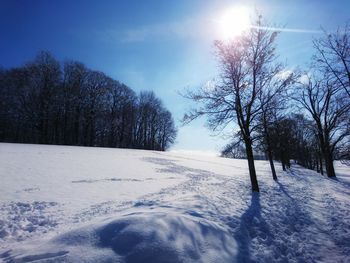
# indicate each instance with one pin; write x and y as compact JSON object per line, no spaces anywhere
{"x":43,"y":102}
{"x":328,"y":107}
{"x":333,"y":56}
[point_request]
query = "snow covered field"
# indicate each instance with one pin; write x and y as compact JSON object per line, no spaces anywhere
{"x":80,"y":204}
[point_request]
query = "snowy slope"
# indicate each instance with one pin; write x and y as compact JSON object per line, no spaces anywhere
{"x":74,"y":204}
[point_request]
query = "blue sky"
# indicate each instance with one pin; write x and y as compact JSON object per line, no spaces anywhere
{"x":165,"y":46}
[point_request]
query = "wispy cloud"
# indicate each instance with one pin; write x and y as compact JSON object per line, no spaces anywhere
{"x":290,"y":30}
{"x":191,"y":28}
{"x":198,"y":27}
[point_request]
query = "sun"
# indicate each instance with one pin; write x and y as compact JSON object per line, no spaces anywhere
{"x":233,"y":22}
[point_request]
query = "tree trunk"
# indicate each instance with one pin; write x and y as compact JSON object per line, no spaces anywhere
{"x":321,"y":165}
{"x":269,"y":150}
{"x":288,"y":163}
{"x":283,"y":165}
{"x":327,"y":154}
{"x":269,"y":154}
{"x":329,"y":164}
{"x":252,"y":172}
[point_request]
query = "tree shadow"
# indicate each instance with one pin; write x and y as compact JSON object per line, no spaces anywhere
{"x":251,"y":226}
{"x":284,"y":190}
{"x":339,"y":179}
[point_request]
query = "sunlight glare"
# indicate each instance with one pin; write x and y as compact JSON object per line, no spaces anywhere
{"x":233,"y":22}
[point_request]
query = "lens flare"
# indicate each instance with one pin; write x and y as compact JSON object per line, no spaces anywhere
{"x":233,"y":22}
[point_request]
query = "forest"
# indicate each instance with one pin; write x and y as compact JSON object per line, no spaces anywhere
{"x":49,"y":103}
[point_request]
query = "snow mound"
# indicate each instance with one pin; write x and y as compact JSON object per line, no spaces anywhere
{"x":140,"y":236}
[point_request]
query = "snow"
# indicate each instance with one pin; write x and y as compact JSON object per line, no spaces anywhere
{"x":81,"y":204}
{"x":142,"y":236}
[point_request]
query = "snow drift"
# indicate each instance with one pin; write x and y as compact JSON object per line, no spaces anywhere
{"x":139,"y":237}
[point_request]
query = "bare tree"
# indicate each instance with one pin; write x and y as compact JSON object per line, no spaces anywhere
{"x":328,"y":108}
{"x":281,"y":131}
{"x":155,"y":129}
{"x":234,"y":149}
{"x":167,"y":131}
{"x":43,"y":77}
{"x":120,"y":114}
{"x":247,"y":70}
{"x":74,"y":78}
{"x":333,"y":56}
{"x":272,"y":100}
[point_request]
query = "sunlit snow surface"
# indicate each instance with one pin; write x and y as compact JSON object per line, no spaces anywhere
{"x":80,"y":204}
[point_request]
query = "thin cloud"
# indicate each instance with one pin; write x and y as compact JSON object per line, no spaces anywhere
{"x":291,"y":30}
{"x":202,"y":27}
{"x":199,"y":27}
{"x":190,"y":28}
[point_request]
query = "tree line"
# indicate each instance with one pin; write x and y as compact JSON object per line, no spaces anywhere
{"x":299,"y":115}
{"x":49,"y":103}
